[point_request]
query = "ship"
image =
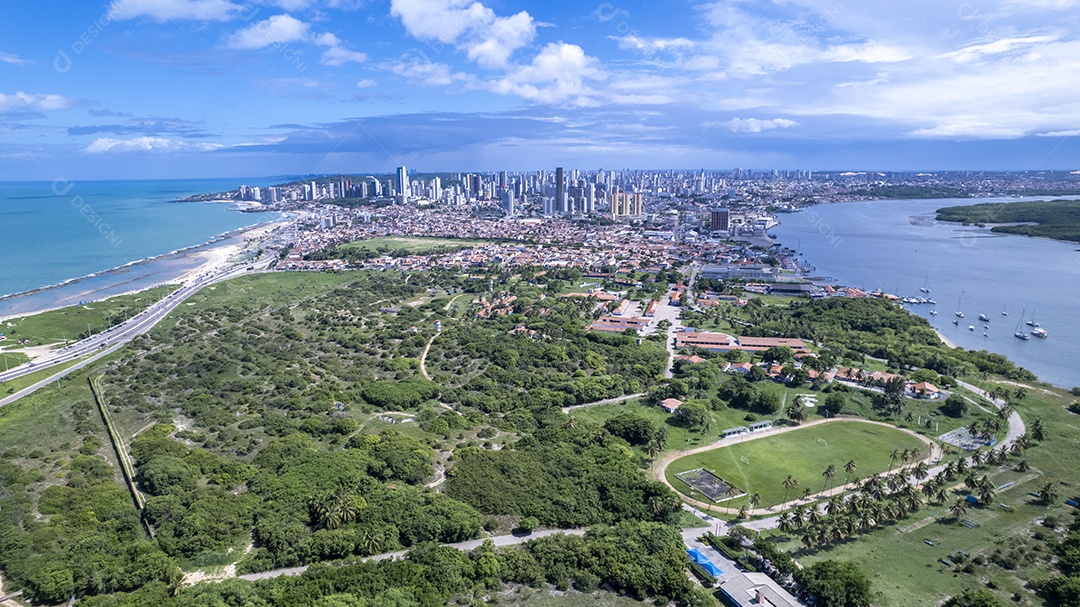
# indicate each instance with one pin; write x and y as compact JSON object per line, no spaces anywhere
{"x":1040,"y":333}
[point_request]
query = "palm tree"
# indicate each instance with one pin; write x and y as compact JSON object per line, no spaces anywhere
{"x":829,"y":473}
{"x":571,"y":422}
{"x":784,"y":524}
{"x":1038,"y":429}
{"x":744,"y":512}
{"x":986,"y":490}
{"x":920,"y":471}
{"x":1021,"y":393}
{"x":849,"y":468}
{"x":834,"y":506}
{"x":798,"y":515}
{"x":895,"y":455}
{"x":370,"y":540}
{"x":959,"y":508}
{"x":334,"y":510}
{"x":977,"y":458}
{"x":814,"y":515}
{"x":941,"y":495}
{"x":1023,"y":442}
{"x":971,"y":480}
{"x":1048,"y":493}
{"x":789,"y":483}
{"x":755,"y":500}
{"x":653,"y":448}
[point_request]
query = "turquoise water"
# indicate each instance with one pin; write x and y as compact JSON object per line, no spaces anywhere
{"x":899,"y":247}
{"x":57,"y":231}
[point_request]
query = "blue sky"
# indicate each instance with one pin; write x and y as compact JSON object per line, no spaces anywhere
{"x":206,"y":88}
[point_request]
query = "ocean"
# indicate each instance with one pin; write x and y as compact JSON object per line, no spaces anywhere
{"x":897,"y":246}
{"x":58,"y":231}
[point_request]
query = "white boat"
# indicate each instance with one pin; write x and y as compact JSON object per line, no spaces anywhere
{"x":971,"y":327}
{"x":984,"y":317}
{"x":1032,"y":323}
{"x":933,"y":312}
{"x":959,"y":314}
{"x":1040,"y":333}
{"x":986,"y":335}
{"x":1020,"y":334}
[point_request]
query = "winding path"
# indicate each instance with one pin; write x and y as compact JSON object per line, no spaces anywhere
{"x":498,"y":540}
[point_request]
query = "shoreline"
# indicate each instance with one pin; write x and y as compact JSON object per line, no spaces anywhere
{"x":212,"y":254}
{"x":175,"y":253}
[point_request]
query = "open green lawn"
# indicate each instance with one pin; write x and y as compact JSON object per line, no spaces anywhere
{"x":905,"y":570}
{"x":72,"y":322}
{"x":410,"y":244}
{"x":761,"y":465}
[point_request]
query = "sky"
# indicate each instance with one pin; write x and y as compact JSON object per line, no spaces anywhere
{"x":127,"y":89}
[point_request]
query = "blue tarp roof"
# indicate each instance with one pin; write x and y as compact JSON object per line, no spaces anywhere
{"x":705,"y":563}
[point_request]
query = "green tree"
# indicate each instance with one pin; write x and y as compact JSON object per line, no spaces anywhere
{"x":836,"y":584}
{"x":789,"y":483}
{"x":829,"y":473}
{"x":974,"y":597}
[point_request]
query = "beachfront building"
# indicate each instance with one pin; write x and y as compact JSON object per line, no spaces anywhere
{"x":722,"y":342}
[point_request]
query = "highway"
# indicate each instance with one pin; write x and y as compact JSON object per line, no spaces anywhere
{"x":111,"y":340}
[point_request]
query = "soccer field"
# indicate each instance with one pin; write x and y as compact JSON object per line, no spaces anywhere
{"x":761,"y":465}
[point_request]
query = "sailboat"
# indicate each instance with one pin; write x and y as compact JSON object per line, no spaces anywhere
{"x":959,"y":314}
{"x":1020,"y":334}
{"x":1032,"y":323}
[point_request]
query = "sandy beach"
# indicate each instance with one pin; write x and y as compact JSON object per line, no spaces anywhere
{"x":209,"y":258}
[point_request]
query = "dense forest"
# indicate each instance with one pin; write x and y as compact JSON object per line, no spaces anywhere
{"x":1057,"y":219}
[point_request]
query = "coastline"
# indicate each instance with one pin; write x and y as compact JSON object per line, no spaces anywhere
{"x":212,"y":254}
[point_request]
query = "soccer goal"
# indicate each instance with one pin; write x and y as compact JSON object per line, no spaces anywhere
{"x":823,"y":442}
{"x":745,"y":460}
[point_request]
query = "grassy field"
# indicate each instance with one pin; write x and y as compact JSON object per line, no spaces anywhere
{"x":72,"y":322}
{"x":761,"y":465}
{"x":410,"y":244}
{"x":906,"y":571}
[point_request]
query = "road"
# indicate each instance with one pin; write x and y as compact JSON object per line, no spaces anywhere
{"x":498,"y":540}
{"x":105,"y":343}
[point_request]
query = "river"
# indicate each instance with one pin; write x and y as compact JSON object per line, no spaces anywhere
{"x":897,"y":246}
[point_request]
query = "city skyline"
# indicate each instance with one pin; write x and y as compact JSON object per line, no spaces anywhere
{"x":204,"y":88}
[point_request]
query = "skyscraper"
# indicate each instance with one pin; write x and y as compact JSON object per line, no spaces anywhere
{"x":560,"y":189}
{"x":403,"y":182}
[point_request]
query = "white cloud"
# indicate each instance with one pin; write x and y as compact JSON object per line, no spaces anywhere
{"x":556,"y":75}
{"x":756,"y":125}
{"x":170,"y":10}
{"x":431,"y":74}
{"x":1069,"y":133}
{"x":488,"y":39}
{"x":13,"y":59}
{"x":365,"y":83}
{"x":279,"y":29}
{"x":868,"y":52}
{"x":969,"y":130}
{"x":147,"y":144}
{"x":337,"y":54}
{"x":651,"y":45}
{"x":997,"y":47}
{"x":33,"y":102}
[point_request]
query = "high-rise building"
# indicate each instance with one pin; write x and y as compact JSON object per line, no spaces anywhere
{"x":719,"y":220}
{"x":560,"y":189}
{"x":507,"y":202}
{"x":402,"y":182}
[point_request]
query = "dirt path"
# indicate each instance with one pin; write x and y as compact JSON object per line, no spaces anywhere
{"x":660,"y":465}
